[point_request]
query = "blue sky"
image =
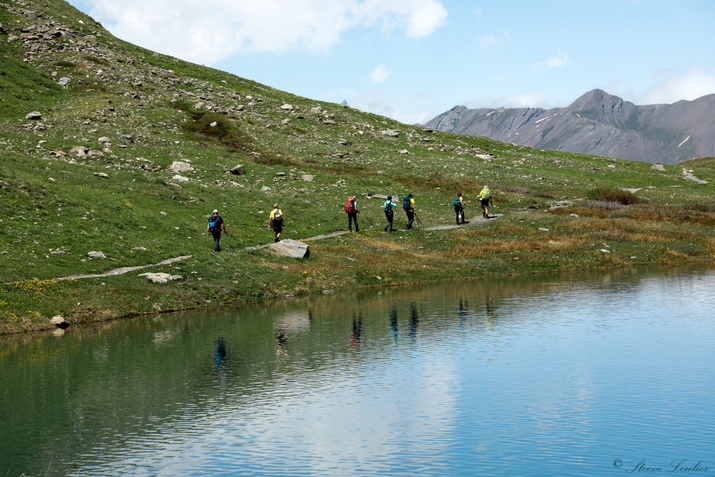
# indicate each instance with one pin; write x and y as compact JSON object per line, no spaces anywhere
{"x":414,"y":59}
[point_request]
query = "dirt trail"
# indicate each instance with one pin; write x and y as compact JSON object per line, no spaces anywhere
{"x":123,"y":270}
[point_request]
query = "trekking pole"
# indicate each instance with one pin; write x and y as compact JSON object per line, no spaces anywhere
{"x":417,"y":218}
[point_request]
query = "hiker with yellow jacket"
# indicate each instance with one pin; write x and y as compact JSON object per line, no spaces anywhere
{"x":485,"y":198}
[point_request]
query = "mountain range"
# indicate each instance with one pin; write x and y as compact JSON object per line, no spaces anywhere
{"x":597,"y":123}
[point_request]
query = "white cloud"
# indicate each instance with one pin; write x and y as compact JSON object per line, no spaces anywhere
{"x":380,"y":74}
{"x":557,"y":61}
{"x":489,"y":41}
{"x":675,"y":87}
{"x":206,"y":32}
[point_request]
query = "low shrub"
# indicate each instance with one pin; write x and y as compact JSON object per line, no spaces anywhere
{"x":613,"y":195}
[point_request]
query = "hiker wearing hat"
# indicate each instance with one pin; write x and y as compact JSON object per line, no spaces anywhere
{"x":276,"y":222}
{"x":215,"y":226}
{"x":351,"y":208}
{"x":389,"y":207}
{"x":485,"y":198}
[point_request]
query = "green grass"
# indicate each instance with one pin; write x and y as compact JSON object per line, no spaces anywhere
{"x":54,"y":210}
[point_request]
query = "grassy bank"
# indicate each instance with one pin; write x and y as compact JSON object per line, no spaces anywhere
{"x":134,"y":113}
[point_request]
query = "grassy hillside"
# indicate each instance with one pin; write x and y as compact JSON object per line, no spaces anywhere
{"x":131,"y":113}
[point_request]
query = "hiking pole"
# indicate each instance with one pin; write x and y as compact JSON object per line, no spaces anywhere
{"x":417,"y":219}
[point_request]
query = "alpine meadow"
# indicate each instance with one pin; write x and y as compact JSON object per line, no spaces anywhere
{"x":114,"y":157}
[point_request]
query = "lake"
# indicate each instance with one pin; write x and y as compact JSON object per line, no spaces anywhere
{"x":597,"y":374}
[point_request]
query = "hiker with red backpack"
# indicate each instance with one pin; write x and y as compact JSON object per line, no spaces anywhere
{"x":351,"y":208}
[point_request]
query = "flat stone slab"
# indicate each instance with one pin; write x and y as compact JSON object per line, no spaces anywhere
{"x":291,"y":248}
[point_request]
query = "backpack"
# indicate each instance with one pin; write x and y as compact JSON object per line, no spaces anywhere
{"x":388,"y":206}
{"x":350,"y":205}
{"x":214,"y":223}
{"x":406,"y":203}
{"x":456,"y":201}
{"x":277,"y":218}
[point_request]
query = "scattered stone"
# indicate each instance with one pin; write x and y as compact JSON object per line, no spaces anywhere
{"x":95,"y":254}
{"x":265,"y":188}
{"x":127,"y":138}
{"x":79,"y":151}
{"x":102,"y":175}
{"x":160,"y":277}
{"x":390,"y":132}
{"x":64,"y":81}
{"x":59,"y":321}
{"x":404,"y":151}
{"x":543,"y":229}
{"x":307,"y":178}
{"x":104,"y":140}
{"x":658,"y":167}
{"x":180,"y":178}
{"x":179,"y":166}
{"x":328,"y":292}
{"x":287,"y":107}
{"x":36,"y":115}
{"x":238,"y":170}
{"x":688,"y":175}
{"x":291,"y":248}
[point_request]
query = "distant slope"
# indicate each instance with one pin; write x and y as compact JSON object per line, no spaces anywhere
{"x":598,"y":123}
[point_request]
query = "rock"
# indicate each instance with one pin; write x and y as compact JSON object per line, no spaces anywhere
{"x":287,"y":107}
{"x":404,"y":151}
{"x":307,"y":177}
{"x":79,"y":151}
{"x":127,"y":138}
{"x":64,"y":81}
{"x":161,"y":277}
{"x":34,"y":115}
{"x":291,"y":248}
{"x":265,"y":188}
{"x":102,"y":175}
{"x":104,"y":140}
{"x":94,"y":254}
{"x":59,"y":322}
{"x":180,"y":178}
{"x":238,"y":170}
{"x":390,"y":132}
{"x":179,"y":166}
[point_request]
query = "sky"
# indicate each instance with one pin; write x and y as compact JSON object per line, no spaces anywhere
{"x":412,"y":60}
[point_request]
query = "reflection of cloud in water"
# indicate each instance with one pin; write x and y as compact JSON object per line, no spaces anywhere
{"x":293,"y":322}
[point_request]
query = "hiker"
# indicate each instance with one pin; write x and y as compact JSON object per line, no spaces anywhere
{"x":215,"y":226}
{"x":458,"y":204}
{"x":351,"y":208}
{"x":485,"y":198}
{"x":408,"y":205}
{"x":389,"y":207}
{"x":276,"y":222}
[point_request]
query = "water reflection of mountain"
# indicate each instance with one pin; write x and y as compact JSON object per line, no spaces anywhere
{"x":119,"y":385}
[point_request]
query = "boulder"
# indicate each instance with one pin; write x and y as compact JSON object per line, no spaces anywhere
{"x":390,"y":133}
{"x":161,"y":277}
{"x":34,"y":115}
{"x":79,"y":151}
{"x":179,"y":166}
{"x":291,"y":248}
{"x":59,"y":322}
{"x":238,"y":170}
